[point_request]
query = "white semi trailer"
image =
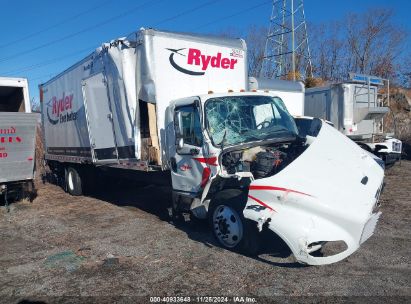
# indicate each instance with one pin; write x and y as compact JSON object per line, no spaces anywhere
{"x":17,"y":138}
{"x":178,"y":103}
{"x":356,"y":109}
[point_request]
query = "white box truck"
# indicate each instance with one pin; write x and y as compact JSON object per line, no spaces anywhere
{"x":17,"y":139}
{"x":177,"y":103}
{"x":291,"y":92}
{"x":355,"y":108}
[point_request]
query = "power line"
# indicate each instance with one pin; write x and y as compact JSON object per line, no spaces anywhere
{"x":38,"y":65}
{"x":46,"y":62}
{"x":128,"y":12}
{"x":33,"y":34}
{"x":186,"y":12}
{"x":235,"y":14}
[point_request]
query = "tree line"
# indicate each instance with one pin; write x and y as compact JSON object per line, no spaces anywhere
{"x":368,"y":43}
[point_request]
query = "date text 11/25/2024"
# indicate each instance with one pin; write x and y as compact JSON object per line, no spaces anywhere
{"x":203,"y":299}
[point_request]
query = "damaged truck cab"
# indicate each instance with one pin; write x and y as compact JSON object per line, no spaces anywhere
{"x":237,"y":160}
{"x":234,"y":157}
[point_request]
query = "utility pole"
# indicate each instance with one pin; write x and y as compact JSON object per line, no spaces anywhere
{"x":287,"y":53}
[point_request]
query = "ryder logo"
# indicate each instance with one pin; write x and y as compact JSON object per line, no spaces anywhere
{"x":61,"y":109}
{"x":196,"y":58}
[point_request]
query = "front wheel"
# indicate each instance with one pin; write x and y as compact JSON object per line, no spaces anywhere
{"x":229,"y":226}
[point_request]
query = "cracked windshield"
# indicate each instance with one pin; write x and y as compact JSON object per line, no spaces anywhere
{"x":241,"y":119}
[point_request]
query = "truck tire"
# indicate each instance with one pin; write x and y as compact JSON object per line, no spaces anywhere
{"x":73,"y":182}
{"x":230,"y":228}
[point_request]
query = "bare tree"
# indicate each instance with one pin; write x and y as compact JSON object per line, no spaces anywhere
{"x":255,"y":37}
{"x":374,"y":42}
{"x":367,"y":43}
{"x":329,"y":50}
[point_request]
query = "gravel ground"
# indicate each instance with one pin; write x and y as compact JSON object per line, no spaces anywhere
{"x":121,"y":247}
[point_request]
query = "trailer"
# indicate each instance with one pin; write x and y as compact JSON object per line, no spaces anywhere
{"x":179,"y":104}
{"x":17,"y":139}
{"x":355,"y":107}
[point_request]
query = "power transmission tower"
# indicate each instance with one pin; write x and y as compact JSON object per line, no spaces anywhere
{"x":287,"y":54}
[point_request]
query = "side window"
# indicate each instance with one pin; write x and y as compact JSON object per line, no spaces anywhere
{"x":191,"y":126}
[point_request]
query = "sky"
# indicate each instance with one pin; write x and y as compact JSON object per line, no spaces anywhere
{"x":41,"y":38}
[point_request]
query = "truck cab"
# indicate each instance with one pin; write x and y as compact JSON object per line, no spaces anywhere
{"x":237,"y":159}
{"x":202,"y":128}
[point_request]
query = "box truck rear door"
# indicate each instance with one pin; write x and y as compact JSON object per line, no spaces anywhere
{"x":99,"y":119}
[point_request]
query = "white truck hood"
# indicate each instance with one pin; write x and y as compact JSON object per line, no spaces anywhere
{"x":327,"y":194}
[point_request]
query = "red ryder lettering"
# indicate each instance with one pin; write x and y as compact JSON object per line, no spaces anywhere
{"x":63,"y":104}
{"x":195,"y":57}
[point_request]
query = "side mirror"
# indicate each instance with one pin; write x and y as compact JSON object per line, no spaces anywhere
{"x":178,"y":128}
{"x":180,"y":143}
{"x":178,"y":124}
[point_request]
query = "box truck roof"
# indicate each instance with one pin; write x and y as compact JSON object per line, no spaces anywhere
{"x":14,"y":95}
{"x":203,"y":38}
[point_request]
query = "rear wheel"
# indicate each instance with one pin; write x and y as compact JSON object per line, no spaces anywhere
{"x":73,"y":182}
{"x":229,"y":226}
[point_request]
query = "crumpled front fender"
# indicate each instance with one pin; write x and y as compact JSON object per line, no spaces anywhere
{"x":299,"y":229}
{"x":327,"y":194}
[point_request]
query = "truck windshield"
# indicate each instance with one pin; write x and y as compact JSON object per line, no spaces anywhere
{"x":241,"y":119}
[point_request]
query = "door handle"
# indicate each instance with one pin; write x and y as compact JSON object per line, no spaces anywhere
{"x":173,"y":164}
{"x":110,"y":116}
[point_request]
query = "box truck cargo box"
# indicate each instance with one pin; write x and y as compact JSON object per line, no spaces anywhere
{"x":17,"y":137}
{"x":110,"y":107}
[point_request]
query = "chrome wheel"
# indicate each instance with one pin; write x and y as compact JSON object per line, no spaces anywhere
{"x":228,"y":226}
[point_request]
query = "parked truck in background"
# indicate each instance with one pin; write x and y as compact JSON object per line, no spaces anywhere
{"x":291,"y":92}
{"x":17,"y":138}
{"x":356,"y":109}
{"x":179,"y":104}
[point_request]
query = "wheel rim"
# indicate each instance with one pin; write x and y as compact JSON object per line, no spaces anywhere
{"x":228,"y":226}
{"x":70,"y":180}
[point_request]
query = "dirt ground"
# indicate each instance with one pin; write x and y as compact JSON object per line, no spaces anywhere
{"x":118,"y":245}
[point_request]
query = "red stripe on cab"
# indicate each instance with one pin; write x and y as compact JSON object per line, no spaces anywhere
{"x":212,"y":161}
{"x":258,"y":187}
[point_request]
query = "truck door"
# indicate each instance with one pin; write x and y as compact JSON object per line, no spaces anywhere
{"x":187,"y":162}
{"x":99,"y":119}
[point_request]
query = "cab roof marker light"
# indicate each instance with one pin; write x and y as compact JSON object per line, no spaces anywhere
{"x":242,"y":90}
{"x":210,"y":92}
{"x":230,"y":91}
{"x":253,"y":90}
